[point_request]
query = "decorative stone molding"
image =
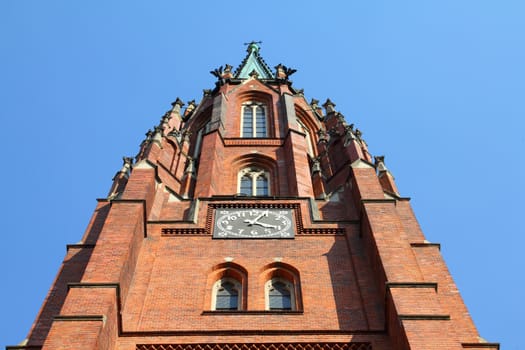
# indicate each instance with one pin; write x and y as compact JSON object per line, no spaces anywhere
{"x":258,"y":346}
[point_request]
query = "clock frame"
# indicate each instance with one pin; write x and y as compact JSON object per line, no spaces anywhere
{"x":254,"y":223}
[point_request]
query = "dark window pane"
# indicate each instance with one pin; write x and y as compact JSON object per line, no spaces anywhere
{"x":246,"y":185}
{"x":227,"y":297}
{"x":260,"y":122}
{"x":247,"y":122}
{"x":262,"y":186}
{"x":279,"y":297}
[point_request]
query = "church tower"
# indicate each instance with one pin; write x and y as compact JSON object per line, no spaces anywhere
{"x":253,"y":220}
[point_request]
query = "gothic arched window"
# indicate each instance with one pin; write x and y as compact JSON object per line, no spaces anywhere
{"x":254,"y":120}
{"x":254,"y":182}
{"x":227,"y":295}
{"x":280,"y":295}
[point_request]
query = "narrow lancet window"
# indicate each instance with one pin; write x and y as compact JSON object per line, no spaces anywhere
{"x":254,"y":121}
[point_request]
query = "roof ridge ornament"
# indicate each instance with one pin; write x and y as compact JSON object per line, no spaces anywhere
{"x":253,"y":46}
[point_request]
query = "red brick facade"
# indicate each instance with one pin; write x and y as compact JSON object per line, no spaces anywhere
{"x":362,"y":274}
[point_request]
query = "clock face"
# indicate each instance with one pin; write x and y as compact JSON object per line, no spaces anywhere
{"x":253,"y":223}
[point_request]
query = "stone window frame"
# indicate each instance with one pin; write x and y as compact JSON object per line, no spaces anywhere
{"x":254,"y":105}
{"x":289,"y":285}
{"x":218,"y":285}
{"x":254,"y":172}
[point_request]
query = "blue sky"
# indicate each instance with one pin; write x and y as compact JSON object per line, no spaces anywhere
{"x":435,"y":86}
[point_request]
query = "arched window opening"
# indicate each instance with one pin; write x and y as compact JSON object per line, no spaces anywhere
{"x":280,"y":295}
{"x":254,"y":182}
{"x":254,"y":123}
{"x":227,"y":294}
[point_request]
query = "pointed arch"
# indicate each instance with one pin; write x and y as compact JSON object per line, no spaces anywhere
{"x":227,"y":287}
{"x":256,"y":114}
{"x":255,"y":175}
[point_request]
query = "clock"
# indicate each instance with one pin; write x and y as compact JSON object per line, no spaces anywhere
{"x":253,"y":223}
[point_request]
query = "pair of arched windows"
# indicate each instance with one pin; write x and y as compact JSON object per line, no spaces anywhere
{"x":279,"y":295}
{"x":254,"y":182}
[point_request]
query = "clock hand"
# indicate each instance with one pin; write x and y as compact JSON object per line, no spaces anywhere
{"x":254,"y":221}
{"x":264,"y":224}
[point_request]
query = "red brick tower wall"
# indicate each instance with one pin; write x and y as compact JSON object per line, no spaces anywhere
{"x":361,"y":273}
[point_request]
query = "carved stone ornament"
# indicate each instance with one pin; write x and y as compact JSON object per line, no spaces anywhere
{"x":177,"y":102}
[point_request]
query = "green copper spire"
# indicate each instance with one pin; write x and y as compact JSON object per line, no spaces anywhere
{"x":253,"y":62}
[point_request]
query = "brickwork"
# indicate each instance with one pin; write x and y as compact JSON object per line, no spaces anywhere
{"x":362,"y":275}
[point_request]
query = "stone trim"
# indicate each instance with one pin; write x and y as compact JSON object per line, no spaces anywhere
{"x":494,"y":346}
{"x":80,"y":246}
{"x":390,"y":285}
{"x":424,"y":245}
{"x":254,"y":141}
{"x":258,"y":346}
{"x":424,"y":317}
{"x":251,"y":312}
{"x":207,"y":230}
{"x":185,"y":231}
{"x":378,"y":200}
{"x":101,"y":318}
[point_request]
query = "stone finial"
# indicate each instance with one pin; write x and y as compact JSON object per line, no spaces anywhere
{"x":349,"y":134}
{"x":341,"y":120}
{"x":279,"y":71}
{"x":206,"y":92}
{"x":329,"y":106}
{"x":157,"y":135}
{"x":126,"y":166}
{"x":299,"y":92}
{"x":149,"y":135}
{"x":191,"y":107}
{"x":165,"y":118}
{"x":379,"y":162}
{"x":314,"y":103}
{"x":178,"y":102}
{"x":227,"y":74}
{"x":283,"y":72}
